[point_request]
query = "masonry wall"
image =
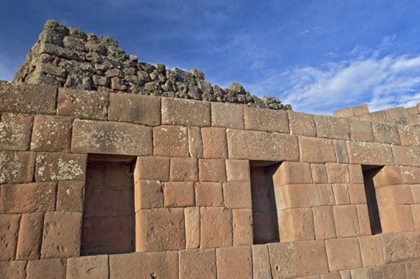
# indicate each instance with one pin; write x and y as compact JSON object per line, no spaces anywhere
{"x":197,"y":179}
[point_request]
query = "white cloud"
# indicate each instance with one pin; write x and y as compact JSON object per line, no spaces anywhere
{"x":381,"y":82}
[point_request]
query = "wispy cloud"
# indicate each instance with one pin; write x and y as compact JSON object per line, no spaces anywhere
{"x":362,"y":77}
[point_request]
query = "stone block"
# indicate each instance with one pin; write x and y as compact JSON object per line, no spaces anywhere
{"x":70,"y":196}
{"x":160,"y":229}
{"x":92,"y":267}
{"x":346,"y":221}
{"x":216,"y":227}
{"x":337,"y":173}
{"x":319,"y":173}
{"x":323,"y":222}
{"x":48,"y":268}
{"x":214,"y":142}
{"x":195,"y":142}
{"x":200,"y":263}
{"x":394,"y":271}
{"x":377,"y":116}
{"x":185,"y":112}
{"x":388,"y":175}
{"x":134,"y":108}
{"x":399,"y":247}
{"x":364,"y":219}
{"x":360,"y":110}
{"x":16,"y":166}
{"x":394,"y":195}
{"x":332,"y":127}
{"x":212,"y":170}
{"x":415,"y":155}
{"x":13,"y":269}
{"x":9,"y":224}
{"x":292,"y":173}
{"x":344,"y":112}
{"x":60,"y":166}
{"x":208,"y":194}
{"x":237,"y":170}
{"x":371,"y":250}
{"x":27,"y":98}
{"x":402,"y":155}
{"x":376,"y":272}
{"x":357,"y":193}
{"x":256,"y":145}
{"x":144,"y":265}
{"x":15,"y":131}
{"x":234,"y":262}
{"x":396,"y":218}
{"x":184,"y":169}
{"x":314,"y":150}
{"x":415,"y":191}
{"x":192,"y":227}
{"x":408,"y":135}
{"x":326,"y":194}
{"x":170,"y":141}
{"x":237,"y":194}
{"x":331,"y":275}
{"x":341,"y":194}
{"x":242,"y":227}
{"x":296,"y":224}
{"x":30,"y":235}
{"x":343,"y":253}
{"x":410,"y":175}
{"x":386,"y":133}
{"x":361,"y":130}
{"x":152,"y":168}
{"x":356,"y":174}
{"x":148,"y":194}
{"x":261,"y":262}
{"x":370,"y":153}
{"x":413,"y":270}
{"x":297,"y":259}
{"x":178,"y":194}
{"x":341,"y":151}
{"x":83,"y":104}
{"x":111,"y":138}
{"x":297,"y":196}
{"x":361,"y":273}
{"x":27,"y":198}
{"x":266,"y":120}
{"x":227,"y":115}
{"x":61,"y":236}
{"x":301,"y":124}
{"x":395,"y":114}
{"x":415,"y":210}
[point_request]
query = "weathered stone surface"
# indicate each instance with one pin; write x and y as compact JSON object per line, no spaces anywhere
{"x":337,"y":173}
{"x":302,"y":124}
{"x":200,"y":263}
{"x":343,"y":253}
{"x":185,"y":112}
{"x":394,"y":271}
{"x":319,"y":173}
{"x":15,"y":130}
{"x":152,"y":168}
{"x":388,"y":175}
{"x":402,"y":155}
{"x":332,"y":127}
{"x":82,"y":104}
{"x":370,"y":153}
{"x":297,"y":196}
{"x":398,"y":247}
{"x":292,"y":173}
{"x":27,"y":98}
{"x":184,"y":169}
{"x":30,"y":235}
{"x":266,"y":120}
{"x":131,"y":108}
{"x":13,"y":269}
{"x":212,"y":170}
{"x":371,"y":250}
{"x":408,"y":135}
{"x":27,"y":198}
{"x":361,"y":130}
{"x":386,"y":133}
{"x":16,"y":167}
{"x":209,"y":194}
{"x":341,"y":151}
{"x":234,"y":262}
{"x":237,"y":194}
{"x":214,"y":142}
{"x":160,"y":229}
{"x":357,"y":193}
{"x":237,"y":170}
{"x":93,"y":267}
{"x":144,"y":265}
{"x":326,"y":194}
{"x":346,"y":221}
{"x":341,"y":195}
{"x":297,"y":259}
{"x":51,"y":134}
{"x":296,"y":224}
{"x":255,"y":145}
{"x":192,"y":227}
{"x":70,"y":196}
{"x":178,"y":194}
{"x":148,"y":194}
{"x":242,"y":227}
{"x":49,"y":268}
{"x":314,"y":150}
{"x":195,"y":142}
{"x":227,"y":115}
{"x":216,"y":217}
{"x":323,"y":222}
{"x":8,"y":236}
{"x":261,"y":262}
{"x":396,"y":218}
{"x":111,"y":138}
{"x":170,"y":141}
{"x":61,"y":236}
{"x":60,"y":166}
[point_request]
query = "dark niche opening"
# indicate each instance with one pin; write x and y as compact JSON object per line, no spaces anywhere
{"x":369,"y":173}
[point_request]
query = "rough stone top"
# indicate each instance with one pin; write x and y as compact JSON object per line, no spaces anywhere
{"x":67,"y":57}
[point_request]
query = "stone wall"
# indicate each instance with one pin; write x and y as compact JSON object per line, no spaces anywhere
{"x":183,"y":189}
{"x":67,"y":57}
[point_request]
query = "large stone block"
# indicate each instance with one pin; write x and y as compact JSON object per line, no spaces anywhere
{"x":402,"y":155}
{"x":13,"y":269}
{"x":16,"y":167}
{"x":152,"y":168}
{"x":255,"y":145}
{"x":315,"y":150}
{"x":296,"y":224}
{"x":337,"y":173}
{"x":214,"y":142}
{"x":394,"y":195}
{"x":346,"y":221}
{"x":200,"y":263}
{"x":292,"y":173}
{"x":195,"y":142}
{"x":30,"y":236}
{"x":185,"y":112}
{"x":184,"y":169}
{"x":341,"y":194}
{"x":160,"y":229}
{"x":227,"y":115}
{"x":212,"y":218}
{"x":397,"y":218}
{"x":60,"y":166}
{"x":237,"y":194}
{"x":341,"y":151}
{"x":323,"y":222}
{"x":192,"y":227}
{"x":343,"y":253}
{"x":61,"y":236}
{"x":26,"y":198}
{"x":332,"y":127}
{"x":237,"y":170}
{"x":209,"y":194}
{"x":234,"y":262}
{"x":297,"y":259}
{"x":399,"y":247}
{"x":319,"y":173}
{"x":386,"y":133}
{"x":212,"y":170}
{"x":302,"y":124}
{"x":15,"y":131}
{"x":51,"y":133}
{"x":388,"y":175}
{"x":297,"y":196}
{"x":134,"y":108}
{"x":364,"y":219}
{"x":410,"y":175}
{"x":27,"y":98}
{"x":361,"y":130}
{"x":48,"y":268}
{"x":70,"y":196}
{"x":111,"y":138}
{"x":82,"y":104}
{"x":178,"y":194}
{"x":144,"y":265}
{"x":93,"y":267}
{"x":9,"y":224}
{"x":395,"y":271}
{"x":409,"y":135}
{"x":261,"y":262}
{"x":242,"y":227}
{"x":370,"y":153}
{"x":171,"y":141}
{"x":371,"y":250}
{"x":266,"y":120}
{"x":148,"y":194}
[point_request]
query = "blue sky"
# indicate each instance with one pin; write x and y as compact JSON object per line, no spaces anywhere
{"x":318,"y":56}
